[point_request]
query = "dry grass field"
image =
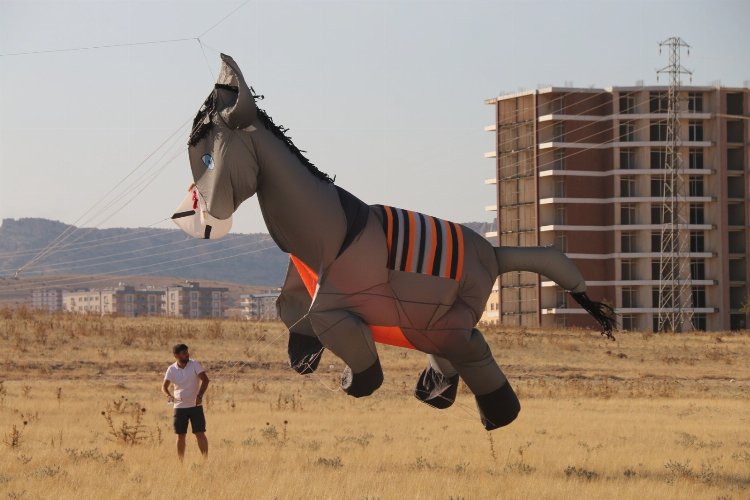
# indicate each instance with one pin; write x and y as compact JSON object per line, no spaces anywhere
{"x":647,"y":416}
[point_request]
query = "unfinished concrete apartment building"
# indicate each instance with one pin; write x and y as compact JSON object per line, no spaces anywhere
{"x":583,"y":169}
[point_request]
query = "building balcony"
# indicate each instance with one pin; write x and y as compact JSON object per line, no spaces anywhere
{"x":687,"y":115}
{"x":633,"y":255}
{"x":490,"y":128}
{"x":627,"y":310}
{"x":633,"y":283}
{"x":619,"y":144}
{"x":490,"y":154}
{"x":490,"y":208}
{"x":490,"y":181}
{"x":620,"y":227}
{"x":490,"y":234}
{"x":621,"y":171}
{"x":623,"y":199}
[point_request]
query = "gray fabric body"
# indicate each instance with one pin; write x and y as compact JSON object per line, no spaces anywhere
{"x":355,"y":289}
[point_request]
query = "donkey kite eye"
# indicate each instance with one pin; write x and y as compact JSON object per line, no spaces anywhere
{"x":208,"y":161}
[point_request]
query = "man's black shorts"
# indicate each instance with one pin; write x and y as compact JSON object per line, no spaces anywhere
{"x":194,"y":415}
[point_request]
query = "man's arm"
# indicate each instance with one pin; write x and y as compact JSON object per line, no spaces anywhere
{"x":165,"y":389}
{"x":204,"y":386}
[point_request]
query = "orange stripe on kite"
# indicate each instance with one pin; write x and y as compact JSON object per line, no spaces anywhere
{"x":460,"y":236}
{"x":390,"y":335}
{"x":389,"y":233}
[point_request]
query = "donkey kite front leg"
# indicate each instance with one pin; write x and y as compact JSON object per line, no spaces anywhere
{"x":293,"y":304}
{"x":350,"y":339}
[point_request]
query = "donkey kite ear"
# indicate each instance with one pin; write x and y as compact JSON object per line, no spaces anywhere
{"x":243,"y":111}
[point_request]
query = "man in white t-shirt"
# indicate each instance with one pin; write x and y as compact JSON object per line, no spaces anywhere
{"x":190,"y":383}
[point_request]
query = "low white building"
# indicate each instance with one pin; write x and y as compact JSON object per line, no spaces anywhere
{"x":259,"y":306}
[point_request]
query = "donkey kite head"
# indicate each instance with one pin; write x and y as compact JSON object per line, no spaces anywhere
{"x":221,"y":153}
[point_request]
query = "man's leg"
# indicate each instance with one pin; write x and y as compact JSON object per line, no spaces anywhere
{"x":181,"y":446}
{"x":202,"y":442}
{"x":198,"y":424}
{"x":180,"y":424}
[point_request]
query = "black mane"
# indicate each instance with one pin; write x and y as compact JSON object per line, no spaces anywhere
{"x":202,"y":123}
{"x":280,"y":133}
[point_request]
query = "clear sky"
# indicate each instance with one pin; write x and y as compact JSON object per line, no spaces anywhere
{"x":387,"y":96}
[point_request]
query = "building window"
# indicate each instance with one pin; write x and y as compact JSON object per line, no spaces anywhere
{"x":559,"y":132}
{"x":627,"y":186}
{"x":627,"y":213}
{"x":628,"y":297}
{"x":629,"y":323}
{"x":697,"y":241}
{"x":658,"y":102}
{"x":559,"y":159}
{"x":658,"y":131}
{"x":627,"y":132}
{"x":627,"y":269}
{"x":657,"y":185}
{"x":655,"y":298}
{"x":656,"y":241}
{"x":695,"y":158}
{"x":735,"y":131}
{"x":699,"y":322}
{"x":735,"y":104}
{"x":658,"y":159}
{"x":560,"y":186}
{"x":698,"y":269}
{"x":655,"y":269}
{"x":561,"y":242}
{"x":560,"y":298}
{"x":695,"y":131}
{"x":627,"y":103}
{"x":695,"y":102}
{"x":695,"y":184}
{"x":697,"y":215}
{"x":699,"y":296}
{"x":560,"y":214}
{"x":627,"y":242}
{"x":627,"y":158}
{"x":659,"y":215}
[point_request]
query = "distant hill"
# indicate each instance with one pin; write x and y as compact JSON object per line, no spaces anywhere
{"x":246,"y":259}
{"x":240,"y":258}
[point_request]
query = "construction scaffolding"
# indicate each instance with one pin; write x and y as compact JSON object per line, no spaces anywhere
{"x":675,"y":290}
{"x":517,"y":205}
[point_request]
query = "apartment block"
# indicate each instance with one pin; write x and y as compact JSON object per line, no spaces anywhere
{"x":583,"y":169}
{"x":47,"y":299}
{"x":259,"y":306}
{"x":191,"y":300}
{"x":123,"y":300}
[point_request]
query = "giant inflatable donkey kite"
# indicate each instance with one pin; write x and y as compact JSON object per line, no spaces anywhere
{"x":358,"y":274}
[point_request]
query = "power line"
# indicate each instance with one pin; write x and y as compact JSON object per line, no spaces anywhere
{"x":94,"y":47}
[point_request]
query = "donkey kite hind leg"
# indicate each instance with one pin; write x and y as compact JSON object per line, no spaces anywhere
{"x":304,"y":348}
{"x":438,"y":383}
{"x":498,"y":404}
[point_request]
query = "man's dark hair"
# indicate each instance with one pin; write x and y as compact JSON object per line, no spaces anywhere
{"x":178,"y":348}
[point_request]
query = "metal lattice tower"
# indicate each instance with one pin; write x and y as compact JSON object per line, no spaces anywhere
{"x":675,"y":290}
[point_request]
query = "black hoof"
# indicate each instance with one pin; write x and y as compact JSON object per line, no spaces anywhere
{"x":436,"y":389}
{"x":498,"y":408}
{"x":304,"y":353}
{"x":363,"y":383}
